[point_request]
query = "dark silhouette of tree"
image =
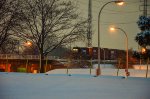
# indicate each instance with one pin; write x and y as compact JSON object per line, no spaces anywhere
{"x":50,"y":24}
{"x":9,"y":21}
{"x":10,"y":47}
{"x":143,"y":38}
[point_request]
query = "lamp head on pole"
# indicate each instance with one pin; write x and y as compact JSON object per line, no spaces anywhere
{"x":28,"y":43}
{"x":143,"y":50}
{"x":112,"y":29}
{"x":119,"y":2}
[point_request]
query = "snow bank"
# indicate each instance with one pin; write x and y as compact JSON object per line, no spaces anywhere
{"x":104,"y":71}
{"x":60,"y":86}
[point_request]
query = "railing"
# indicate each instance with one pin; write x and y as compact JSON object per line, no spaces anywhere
{"x":14,"y":56}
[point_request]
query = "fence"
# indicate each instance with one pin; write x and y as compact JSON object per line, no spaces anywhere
{"x":14,"y":56}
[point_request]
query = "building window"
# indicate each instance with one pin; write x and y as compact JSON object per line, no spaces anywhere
{"x":112,"y":54}
{"x":84,"y":51}
{"x":94,"y":51}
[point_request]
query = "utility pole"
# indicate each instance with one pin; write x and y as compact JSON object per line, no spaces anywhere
{"x":89,"y":31}
{"x":145,"y":7}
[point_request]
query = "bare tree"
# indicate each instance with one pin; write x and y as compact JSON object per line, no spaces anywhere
{"x":10,"y":47}
{"x":9,"y":21}
{"x":51,"y":23}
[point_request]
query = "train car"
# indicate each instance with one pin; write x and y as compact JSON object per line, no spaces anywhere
{"x":92,"y":53}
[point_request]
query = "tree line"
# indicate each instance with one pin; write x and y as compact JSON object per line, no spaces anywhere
{"x":46,"y":24}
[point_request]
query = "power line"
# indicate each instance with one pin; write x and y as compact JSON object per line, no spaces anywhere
{"x":104,"y":22}
{"x":119,"y":11}
{"x":83,"y":3}
{"x":108,"y":11}
{"x":129,"y":2}
{"x":121,"y":23}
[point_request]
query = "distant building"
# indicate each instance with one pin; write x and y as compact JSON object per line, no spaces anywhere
{"x":105,"y":53}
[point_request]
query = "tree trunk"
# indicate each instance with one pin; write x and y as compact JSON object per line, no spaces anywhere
{"x":147,"y":67}
{"x":42,"y":70}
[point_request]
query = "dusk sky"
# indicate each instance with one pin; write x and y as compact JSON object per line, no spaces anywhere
{"x":124,"y":17}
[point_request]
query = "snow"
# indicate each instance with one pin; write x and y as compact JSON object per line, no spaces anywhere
{"x":108,"y":72}
{"x":80,"y":84}
{"x":106,"y":69}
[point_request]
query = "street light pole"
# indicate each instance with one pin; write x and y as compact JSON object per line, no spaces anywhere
{"x":119,"y":2}
{"x":104,"y":56}
{"x":127,"y":55}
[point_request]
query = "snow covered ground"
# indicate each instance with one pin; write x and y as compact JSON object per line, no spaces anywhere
{"x":108,"y":72}
{"x":107,"y":69}
{"x":80,"y":84}
{"x":76,"y":86}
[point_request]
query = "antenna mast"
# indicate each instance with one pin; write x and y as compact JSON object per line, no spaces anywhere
{"x":89,"y":31}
